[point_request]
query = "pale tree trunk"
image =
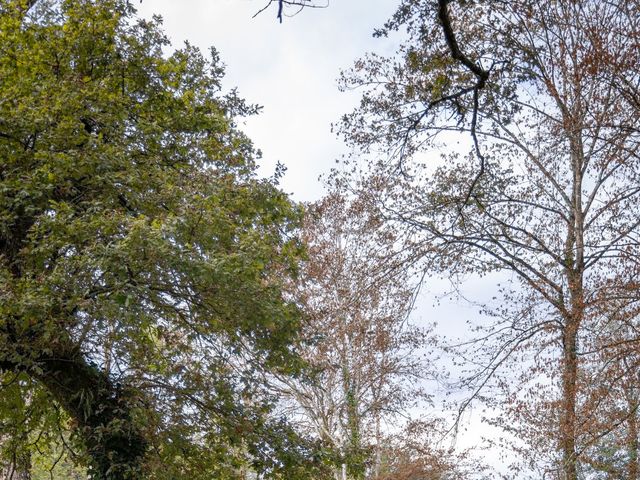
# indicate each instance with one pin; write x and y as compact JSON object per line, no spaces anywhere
{"x":378,"y":452}
{"x":353,"y":441}
{"x":19,"y":468}
{"x":341,"y":472}
{"x":23,"y":466}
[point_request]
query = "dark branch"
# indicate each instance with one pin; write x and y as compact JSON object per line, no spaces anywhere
{"x":445,"y":20}
{"x":481,"y":75}
{"x":301,"y":4}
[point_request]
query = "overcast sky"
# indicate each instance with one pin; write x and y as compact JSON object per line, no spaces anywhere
{"x":291,"y":70}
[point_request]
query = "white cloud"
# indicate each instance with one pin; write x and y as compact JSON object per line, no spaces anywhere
{"x":289,"y":68}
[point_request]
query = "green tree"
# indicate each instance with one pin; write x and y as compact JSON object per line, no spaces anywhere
{"x":141,"y":259}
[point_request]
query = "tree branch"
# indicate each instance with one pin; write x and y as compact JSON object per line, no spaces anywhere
{"x":301,"y":4}
{"x":481,"y":75}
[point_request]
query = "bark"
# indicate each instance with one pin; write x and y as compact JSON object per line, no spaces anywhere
{"x":378,"y":448}
{"x":19,"y":468}
{"x":632,"y":443}
{"x":575,"y":266}
{"x":353,"y":445}
{"x":568,"y":419}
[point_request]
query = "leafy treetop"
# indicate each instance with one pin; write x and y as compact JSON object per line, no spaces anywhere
{"x":141,"y":258}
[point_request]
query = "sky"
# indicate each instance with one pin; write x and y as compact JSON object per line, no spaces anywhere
{"x":291,"y":69}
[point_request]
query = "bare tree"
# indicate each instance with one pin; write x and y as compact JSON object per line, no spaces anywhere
{"x":356,"y":294}
{"x":555,"y":202}
{"x":417,"y":453}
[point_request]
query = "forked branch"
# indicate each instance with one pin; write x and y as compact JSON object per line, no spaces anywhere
{"x":300,"y":4}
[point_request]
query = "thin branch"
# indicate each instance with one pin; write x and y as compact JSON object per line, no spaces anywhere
{"x":297,"y":3}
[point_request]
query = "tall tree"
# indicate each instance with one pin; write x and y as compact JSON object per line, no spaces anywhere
{"x":355,"y":293}
{"x":552,"y":195}
{"x":141,"y":259}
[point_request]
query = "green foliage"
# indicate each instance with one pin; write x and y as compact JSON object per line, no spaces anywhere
{"x":137,"y":243}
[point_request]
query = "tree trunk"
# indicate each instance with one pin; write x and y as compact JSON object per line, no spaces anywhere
{"x":22,"y":462}
{"x":18,"y":469}
{"x":632,"y":441}
{"x":103,"y":413}
{"x":378,"y":449}
{"x":354,"y":465}
{"x":575,"y":267}
{"x":101,"y":409}
{"x":568,"y":415}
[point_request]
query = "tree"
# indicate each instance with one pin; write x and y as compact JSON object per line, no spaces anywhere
{"x":355,"y":294}
{"x":552,"y":199}
{"x":141,"y":259}
{"x":416,"y":453}
{"x":614,"y":403}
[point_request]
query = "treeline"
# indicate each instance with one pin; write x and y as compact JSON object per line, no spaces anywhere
{"x":165,"y":313}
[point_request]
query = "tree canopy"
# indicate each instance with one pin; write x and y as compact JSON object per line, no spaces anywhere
{"x":141,"y":258}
